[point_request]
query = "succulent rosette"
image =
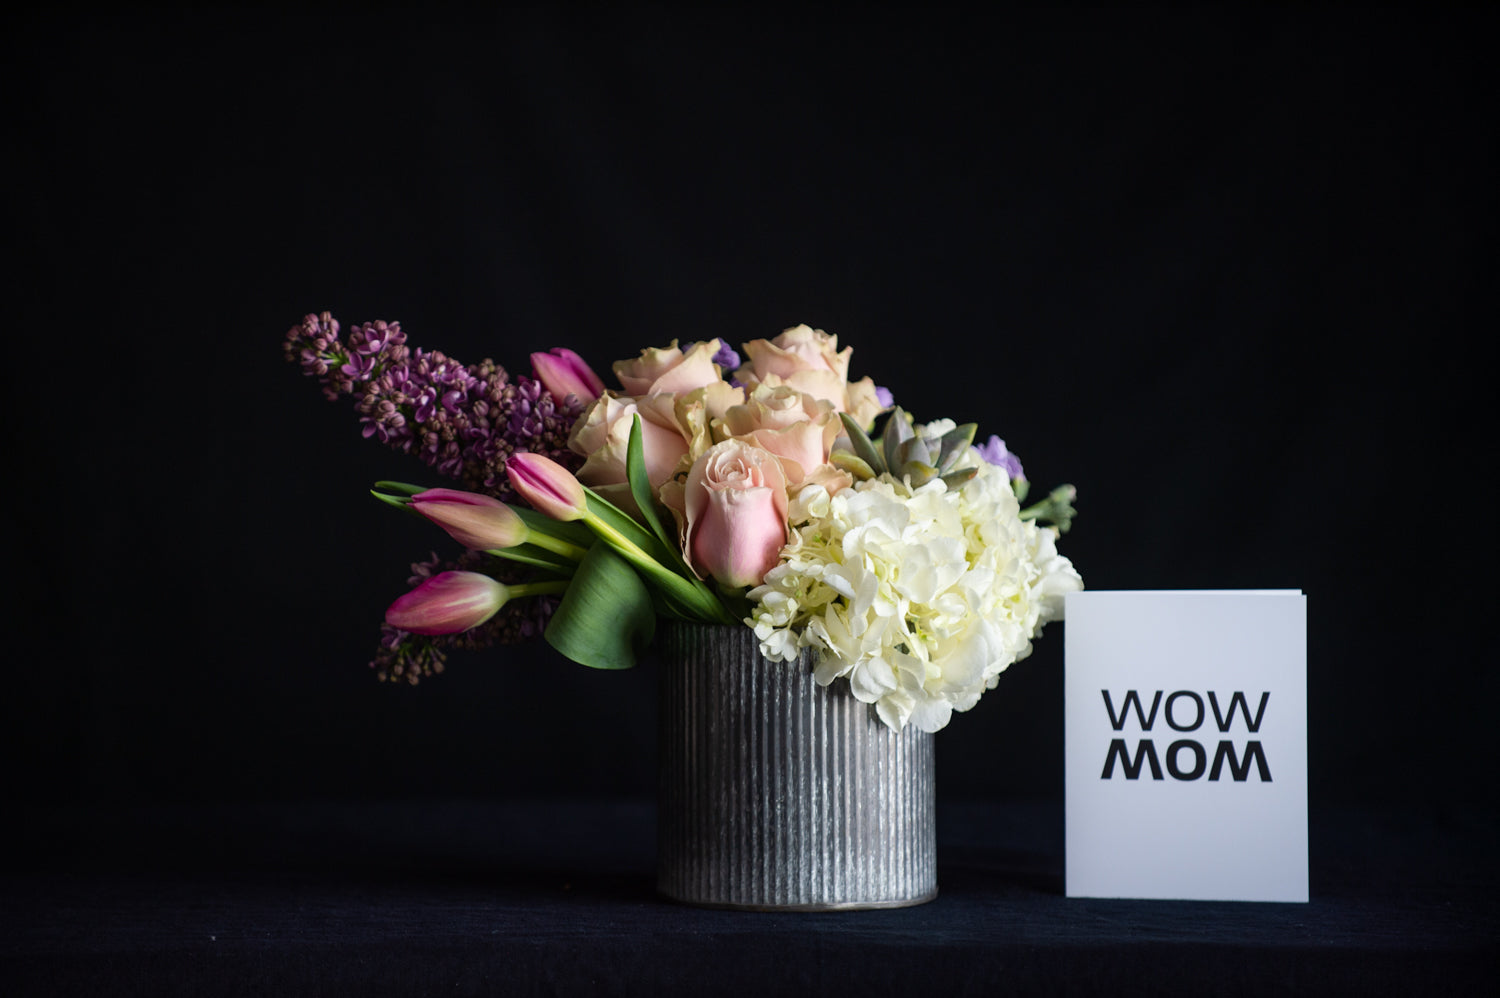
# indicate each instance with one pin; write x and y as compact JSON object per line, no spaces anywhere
{"x":712,"y":488}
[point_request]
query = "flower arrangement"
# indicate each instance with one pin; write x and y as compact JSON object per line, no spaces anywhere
{"x":708,"y":488}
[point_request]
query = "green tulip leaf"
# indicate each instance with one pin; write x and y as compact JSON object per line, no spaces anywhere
{"x":530,"y":554}
{"x":622,"y":523}
{"x":640,"y":491}
{"x":401,"y":488}
{"x":606,"y":619}
{"x":396,"y":501}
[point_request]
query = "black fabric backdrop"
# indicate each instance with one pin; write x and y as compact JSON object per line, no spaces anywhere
{"x":1223,"y":273}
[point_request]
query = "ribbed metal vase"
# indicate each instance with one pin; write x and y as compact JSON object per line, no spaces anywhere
{"x":780,"y":794}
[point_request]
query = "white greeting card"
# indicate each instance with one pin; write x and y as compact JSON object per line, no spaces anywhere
{"x":1186,"y":745}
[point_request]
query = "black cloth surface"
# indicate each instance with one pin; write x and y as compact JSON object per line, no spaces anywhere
{"x":1220,"y":270}
{"x":456,"y":897}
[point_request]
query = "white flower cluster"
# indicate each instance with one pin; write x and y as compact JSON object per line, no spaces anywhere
{"x":921,"y":597}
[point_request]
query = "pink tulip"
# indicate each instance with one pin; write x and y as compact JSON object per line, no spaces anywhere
{"x":562,"y":372}
{"x":448,"y":603}
{"x":475,"y":521}
{"x":736,"y":513}
{"x":546,"y":485}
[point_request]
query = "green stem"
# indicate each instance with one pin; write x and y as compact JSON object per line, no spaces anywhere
{"x":556,"y":545}
{"x":675,"y":585}
{"x":1057,"y":508}
{"x":553,"y":588}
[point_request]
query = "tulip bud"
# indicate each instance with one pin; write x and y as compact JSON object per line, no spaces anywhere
{"x":448,"y":603}
{"x":547,"y":486}
{"x":475,"y":521}
{"x":562,"y":372}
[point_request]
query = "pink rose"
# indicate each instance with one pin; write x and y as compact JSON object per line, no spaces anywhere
{"x":800,"y":348}
{"x":810,"y":361}
{"x":700,"y":411}
{"x":669,"y":369}
{"x":862,"y":402}
{"x":602,"y":437}
{"x":733,"y":511}
{"x":791,"y":424}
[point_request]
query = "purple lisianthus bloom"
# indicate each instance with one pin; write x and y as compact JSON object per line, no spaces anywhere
{"x":727,"y":359}
{"x":886,"y":399}
{"x":994,"y":451}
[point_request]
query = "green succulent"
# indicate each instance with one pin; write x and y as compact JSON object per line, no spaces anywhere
{"x":902,"y":452}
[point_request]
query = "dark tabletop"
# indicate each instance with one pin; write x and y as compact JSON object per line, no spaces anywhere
{"x":459,"y":897}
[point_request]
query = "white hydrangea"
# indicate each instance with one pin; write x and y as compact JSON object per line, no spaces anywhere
{"x":920,"y":597}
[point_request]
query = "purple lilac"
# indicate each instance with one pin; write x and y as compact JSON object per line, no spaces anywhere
{"x":404,"y":657}
{"x":463,"y":421}
{"x":995,"y":452}
{"x":315,"y":345}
